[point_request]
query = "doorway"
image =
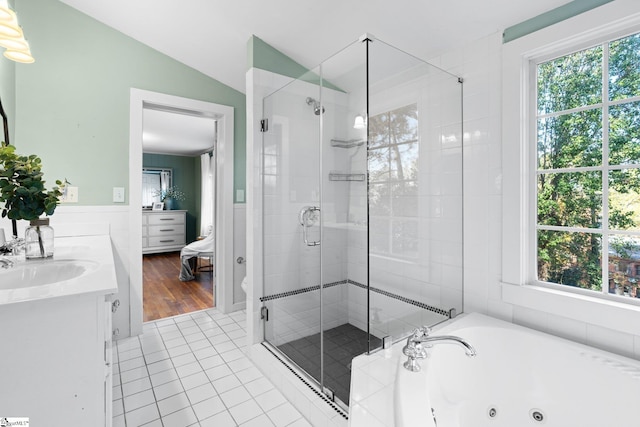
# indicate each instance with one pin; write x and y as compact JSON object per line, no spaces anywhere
{"x":223,"y":212}
{"x":178,"y":174}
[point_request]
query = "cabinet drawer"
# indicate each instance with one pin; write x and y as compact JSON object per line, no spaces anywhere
{"x":166,"y":240}
{"x":177,"y":218}
{"x":165,"y":229}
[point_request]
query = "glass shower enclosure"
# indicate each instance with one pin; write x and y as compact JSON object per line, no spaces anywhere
{"x":362,"y":201}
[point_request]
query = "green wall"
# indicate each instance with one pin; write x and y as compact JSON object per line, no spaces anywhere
{"x":186,"y":177}
{"x":72,"y":104}
{"x":265,"y":57}
{"x":551,"y":17}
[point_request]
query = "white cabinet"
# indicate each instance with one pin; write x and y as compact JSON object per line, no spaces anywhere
{"x":163,"y":231}
{"x":54,"y":362}
{"x":56,"y":358}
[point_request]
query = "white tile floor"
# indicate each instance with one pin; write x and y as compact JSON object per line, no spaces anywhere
{"x":191,"y":370}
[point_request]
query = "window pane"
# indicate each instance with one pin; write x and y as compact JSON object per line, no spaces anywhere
{"x":379,"y":235}
{"x":379,"y":130}
{"x":379,"y":164}
{"x":379,"y":200}
{"x":571,"y":259}
{"x":571,"y":81}
{"x":624,"y":266}
{"x":624,"y":68}
{"x":570,"y":199}
{"x":624,"y":134}
{"x":624,"y":199}
{"x":404,"y":161}
{"x":570,"y":140}
{"x":405,"y":199}
{"x":404,"y":124}
{"x":405,"y":242}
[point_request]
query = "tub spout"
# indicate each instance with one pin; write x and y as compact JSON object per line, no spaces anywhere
{"x":420,"y":341}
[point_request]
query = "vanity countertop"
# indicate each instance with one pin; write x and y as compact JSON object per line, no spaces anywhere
{"x":83,"y":264}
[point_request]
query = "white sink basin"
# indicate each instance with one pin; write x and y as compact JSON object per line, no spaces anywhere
{"x":27,"y":274}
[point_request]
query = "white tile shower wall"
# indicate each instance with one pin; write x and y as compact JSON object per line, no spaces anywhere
{"x":357,"y":246}
{"x":290,"y":184}
{"x":480,"y":64}
{"x":335,"y":194}
{"x":388,"y":316}
{"x":291,"y":181}
{"x":357,"y":308}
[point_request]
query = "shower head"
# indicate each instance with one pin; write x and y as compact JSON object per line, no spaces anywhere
{"x":316,"y":106}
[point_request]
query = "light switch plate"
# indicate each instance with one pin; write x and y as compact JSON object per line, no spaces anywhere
{"x":118,"y":194}
{"x":70,"y":195}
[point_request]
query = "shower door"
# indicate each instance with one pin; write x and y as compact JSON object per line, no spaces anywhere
{"x":314,"y":201}
{"x":291,"y":223}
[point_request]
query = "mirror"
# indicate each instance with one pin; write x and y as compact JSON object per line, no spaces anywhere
{"x":5,"y":125}
{"x":154,"y":181}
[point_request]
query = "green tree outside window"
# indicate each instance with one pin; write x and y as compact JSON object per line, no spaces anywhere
{"x":588,"y":181}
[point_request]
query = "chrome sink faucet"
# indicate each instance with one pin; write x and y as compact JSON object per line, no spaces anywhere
{"x":419,"y":341}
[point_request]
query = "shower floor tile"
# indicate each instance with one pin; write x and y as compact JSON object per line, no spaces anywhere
{"x":341,"y":345}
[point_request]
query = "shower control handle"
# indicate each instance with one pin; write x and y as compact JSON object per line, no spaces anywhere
{"x":307,"y":217}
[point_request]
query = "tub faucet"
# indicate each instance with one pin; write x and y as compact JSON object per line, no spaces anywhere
{"x":419,"y":341}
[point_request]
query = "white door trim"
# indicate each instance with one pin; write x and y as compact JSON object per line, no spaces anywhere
{"x":224,"y":188}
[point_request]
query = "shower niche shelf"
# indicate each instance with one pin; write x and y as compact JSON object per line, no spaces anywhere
{"x":340,"y":143}
{"x":345,"y":176}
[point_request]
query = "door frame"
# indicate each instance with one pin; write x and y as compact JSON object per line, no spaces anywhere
{"x":224,"y":197}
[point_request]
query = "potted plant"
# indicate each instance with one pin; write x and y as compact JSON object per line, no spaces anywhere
{"x":23,"y":192}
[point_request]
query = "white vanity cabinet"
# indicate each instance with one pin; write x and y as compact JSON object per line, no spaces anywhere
{"x":55,"y":361}
{"x":163,"y":231}
{"x":55,"y":343}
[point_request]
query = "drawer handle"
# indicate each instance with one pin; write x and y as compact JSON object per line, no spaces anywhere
{"x":168,"y":229}
{"x":167,"y":219}
{"x":166,"y":241}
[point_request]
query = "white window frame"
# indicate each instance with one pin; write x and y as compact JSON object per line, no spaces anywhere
{"x":519,"y":272}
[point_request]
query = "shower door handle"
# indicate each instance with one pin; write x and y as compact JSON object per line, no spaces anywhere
{"x":308,"y":217}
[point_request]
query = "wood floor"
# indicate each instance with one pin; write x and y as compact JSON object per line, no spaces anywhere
{"x":165,"y":295}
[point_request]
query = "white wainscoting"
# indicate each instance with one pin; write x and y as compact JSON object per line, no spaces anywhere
{"x":88,"y":220}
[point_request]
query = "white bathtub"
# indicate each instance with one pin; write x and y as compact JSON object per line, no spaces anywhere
{"x":519,"y":375}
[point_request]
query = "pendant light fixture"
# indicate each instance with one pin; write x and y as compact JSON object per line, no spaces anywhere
{"x":12,"y":37}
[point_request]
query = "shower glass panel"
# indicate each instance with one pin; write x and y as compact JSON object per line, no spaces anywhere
{"x":415,"y":192}
{"x":343,"y":168}
{"x":362,"y":202}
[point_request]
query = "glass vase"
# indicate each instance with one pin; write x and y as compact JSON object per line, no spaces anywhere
{"x":169,"y":203}
{"x":39,"y":239}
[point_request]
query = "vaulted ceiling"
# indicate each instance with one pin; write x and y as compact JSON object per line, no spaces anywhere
{"x":211,"y":35}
